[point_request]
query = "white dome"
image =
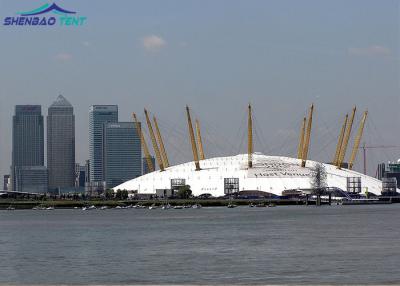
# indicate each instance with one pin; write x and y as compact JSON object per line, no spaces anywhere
{"x":270,"y":174}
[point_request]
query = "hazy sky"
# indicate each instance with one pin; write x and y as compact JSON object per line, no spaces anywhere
{"x":215,"y":56}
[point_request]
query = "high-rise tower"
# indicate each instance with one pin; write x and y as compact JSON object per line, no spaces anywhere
{"x":61,"y":144}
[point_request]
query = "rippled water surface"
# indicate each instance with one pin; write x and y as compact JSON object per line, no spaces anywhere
{"x":296,"y":244}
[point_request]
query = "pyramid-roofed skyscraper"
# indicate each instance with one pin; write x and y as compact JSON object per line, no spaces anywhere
{"x":61,"y":144}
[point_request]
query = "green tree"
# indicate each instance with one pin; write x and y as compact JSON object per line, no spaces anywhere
{"x":184,"y":192}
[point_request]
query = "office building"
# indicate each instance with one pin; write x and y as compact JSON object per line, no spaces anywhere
{"x":6,"y":181}
{"x":122,"y":153}
{"x":145,"y":168}
{"x":98,"y":116}
{"x":80,"y":176}
{"x":389,"y":170}
{"x":31,"y":179}
{"x":61,"y":144}
{"x":27,"y":144}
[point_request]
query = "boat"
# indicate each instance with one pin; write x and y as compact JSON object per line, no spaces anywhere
{"x":104,"y":207}
{"x":196,"y":206}
{"x":271,"y":205}
{"x":178,"y":207}
{"x":88,"y":208}
{"x":153,"y":206}
{"x":49,"y":208}
{"x":10,"y":208}
{"x":166,"y":207}
{"x":260,"y":205}
{"x":251,"y":205}
{"x":231,"y":206}
{"x":187,"y":206}
{"x":139,"y":206}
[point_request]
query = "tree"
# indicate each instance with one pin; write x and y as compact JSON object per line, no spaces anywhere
{"x":109,"y":194}
{"x":318,"y":178}
{"x":184,"y":192}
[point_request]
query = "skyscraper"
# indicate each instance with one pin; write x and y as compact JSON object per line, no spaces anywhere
{"x":27,"y":144}
{"x":122,"y":153}
{"x":61,"y":144}
{"x":98,"y":116}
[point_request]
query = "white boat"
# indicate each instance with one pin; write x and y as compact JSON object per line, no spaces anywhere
{"x":166,"y":207}
{"x":196,"y":206}
{"x":153,"y":206}
{"x":178,"y":207}
{"x":231,"y":206}
{"x":104,"y":207}
{"x":49,"y":208}
{"x":10,"y":208}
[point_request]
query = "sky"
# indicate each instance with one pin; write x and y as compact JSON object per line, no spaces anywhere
{"x":216,"y":56}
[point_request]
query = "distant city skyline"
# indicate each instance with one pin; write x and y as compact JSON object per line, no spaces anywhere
{"x":215,"y":56}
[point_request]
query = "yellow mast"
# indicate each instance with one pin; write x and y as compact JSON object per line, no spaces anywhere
{"x":201,"y":150}
{"x":153,"y":141}
{"x":343,"y":150}
{"x":161,"y":142}
{"x":144,"y":144}
{"x":249,"y":139}
{"x":357,"y":140}
{"x":301,"y":140}
{"x":340,"y":141}
{"x":308,"y":137}
{"x":192,"y":140}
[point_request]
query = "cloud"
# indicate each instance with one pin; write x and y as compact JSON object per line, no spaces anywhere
{"x":153,"y":43}
{"x":63,"y":57}
{"x":374,"y":50}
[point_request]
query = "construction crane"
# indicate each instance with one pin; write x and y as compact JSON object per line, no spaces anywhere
{"x":199,"y":141}
{"x":150,"y":166}
{"x":340,"y":141}
{"x":346,"y":139}
{"x":153,"y":141}
{"x":161,"y":142}
{"x":301,"y":140}
{"x":192,"y":140}
{"x":249,"y":139}
{"x":364,"y":148}
{"x":307,"y":138}
{"x":357,"y":140}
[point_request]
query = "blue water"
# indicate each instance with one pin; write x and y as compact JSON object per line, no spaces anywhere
{"x":282,"y":245}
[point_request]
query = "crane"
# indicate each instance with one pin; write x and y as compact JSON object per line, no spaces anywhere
{"x":365,"y":147}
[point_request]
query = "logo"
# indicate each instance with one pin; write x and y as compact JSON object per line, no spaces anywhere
{"x":40,"y":17}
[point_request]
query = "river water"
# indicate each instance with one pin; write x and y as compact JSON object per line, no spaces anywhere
{"x":281,"y":245}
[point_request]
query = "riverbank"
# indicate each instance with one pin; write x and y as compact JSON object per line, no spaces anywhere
{"x":70,"y":204}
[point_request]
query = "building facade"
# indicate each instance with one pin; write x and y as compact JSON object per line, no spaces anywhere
{"x":6,"y":182}
{"x":122,"y":153}
{"x":31,"y":179}
{"x":145,"y":168}
{"x":61,"y":144}
{"x":27,"y":143}
{"x":98,"y":116}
